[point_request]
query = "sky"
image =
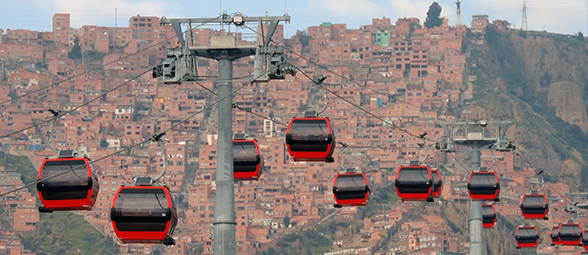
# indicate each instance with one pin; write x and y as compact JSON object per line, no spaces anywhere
{"x":564,"y":17}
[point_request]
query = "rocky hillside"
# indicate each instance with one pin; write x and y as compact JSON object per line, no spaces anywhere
{"x":540,"y":81}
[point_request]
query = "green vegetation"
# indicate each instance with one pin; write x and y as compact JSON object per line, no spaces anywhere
{"x":306,"y":242}
{"x":94,"y":54}
{"x":380,"y":199}
{"x":433,"y":16}
{"x":22,"y":165}
{"x":67,"y":233}
{"x":503,"y":60}
{"x":76,"y":51}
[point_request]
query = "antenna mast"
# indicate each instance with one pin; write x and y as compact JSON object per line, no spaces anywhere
{"x":524,"y":25}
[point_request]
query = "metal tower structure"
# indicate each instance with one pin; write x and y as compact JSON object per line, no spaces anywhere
{"x":477,"y":135}
{"x":181,"y":65}
{"x":458,"y":12}
{"x":524,"y":25}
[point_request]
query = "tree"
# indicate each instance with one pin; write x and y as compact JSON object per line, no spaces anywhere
{"x":286,"y":221}
{"x":76,"y":51}
{"x":580,"y":36}
{"x":433,"y":16}
{"x":103,"y":143}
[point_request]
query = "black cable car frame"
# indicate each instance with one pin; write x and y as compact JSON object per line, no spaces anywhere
{"x":527,"y":236}
{"x":310,"y":138}
{"x":145,"y":212}
{"x":247,"y":158}
{"x":488,"y":216}
{"x":73,"y":190}
{"x":484,"y":185}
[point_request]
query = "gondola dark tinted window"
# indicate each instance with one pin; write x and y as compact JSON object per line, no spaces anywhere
{"x":71,"y":185}
{"x":141,"y":210}
{"x":533,"y":201}
{"x":488,"y":214}
{"x":483,"y":183}
{"x":350,"y":187}
{"x":436,"y":181}
{"x":245,"y":157}
{"x":414,"y":180}
{"x":555,"y":234}
{"x":527,"y":235}
{"x":309,"y":135}
{"x":570,"y":233}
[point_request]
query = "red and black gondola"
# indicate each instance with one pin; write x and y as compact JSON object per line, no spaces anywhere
{"x":585,"y":240}
{"x":570,"y":234}
{"x":73,"y":190}
{"x":488,"y":216}
{"x":144,"y":213}
{"x":437,"y":183}
{"x":527,"y":237}
{"x":483,"y":185}
{"x":534,"y":206}
{"x":247,"y":158}
{"x":414,"y":183}
{"x":310,"y":138}
{"x":351,"y":189}
{"x":554,"y":234}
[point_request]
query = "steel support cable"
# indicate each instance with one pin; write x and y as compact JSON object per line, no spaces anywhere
{"x":125,"y":149}
{"x":456,"y":160}
{"x":364,"y":110}
{"x":53,"y":86}
{"x":546,"y":183}
{"x":333,"y":72}
{"x":259,"y":115}
{"x":153,"y":138}
{"x":345,"y":78}
{"x":78,"y":107}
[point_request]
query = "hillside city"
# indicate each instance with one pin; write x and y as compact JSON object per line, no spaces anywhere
{"x":399,"y":70}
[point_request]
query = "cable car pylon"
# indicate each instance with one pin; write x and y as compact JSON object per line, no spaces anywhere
{"x":181,"y":65}
{"x":476,"y":135}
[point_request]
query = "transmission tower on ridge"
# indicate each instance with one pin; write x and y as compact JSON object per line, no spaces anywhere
{"x":524,"y":25}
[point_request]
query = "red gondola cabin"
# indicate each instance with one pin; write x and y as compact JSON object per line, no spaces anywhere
{"x":437,"y":183}
{"x":554,"y":234}
{"x":534,"y":206}
{"x":414,"y":183}
{"x":144,"y":214}
{"x":247,"y":158}
{"x":75,"y":190}
{"x":527,"y":237}
{"x":483,"y":185}
{"x":351,"y":189}
{"x":585,"y":240}
{"x":570,"y":234}
{"x":310,"y":138}
{"x":488,"y":216}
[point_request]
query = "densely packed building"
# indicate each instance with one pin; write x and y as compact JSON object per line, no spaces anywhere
{"x":401,"y":72}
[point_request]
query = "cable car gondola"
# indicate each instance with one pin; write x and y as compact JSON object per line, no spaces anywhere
{"x":351,"y":189}
{"x":585,"y":240}
{"x":570,"y":234}
{"x":554,"y":234}
{"x":483,"y":185}
{"x":527,"y":237}
{"x":414,"y":183}
{"x":73,"y":190}
{"x":144,"y":213}
{"x":247,"y":158}
{"x":437,"y":183}
{"x":488,"y":216}
{"x":310,"y":138}
{"x":534,"y":206}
